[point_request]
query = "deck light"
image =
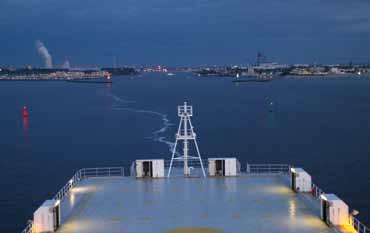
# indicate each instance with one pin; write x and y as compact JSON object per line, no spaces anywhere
{"x":57,"y":203}
{"x":355,"y":212}
{"x":323,"y":197}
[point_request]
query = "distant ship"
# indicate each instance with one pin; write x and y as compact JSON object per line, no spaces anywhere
{"x":106,"y":79}
{"x":257,"y":78}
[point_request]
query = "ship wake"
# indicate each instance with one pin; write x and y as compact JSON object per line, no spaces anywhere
{"x":157,"y":135}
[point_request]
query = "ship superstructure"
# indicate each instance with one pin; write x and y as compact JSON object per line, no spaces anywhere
{"x":192,"y":194}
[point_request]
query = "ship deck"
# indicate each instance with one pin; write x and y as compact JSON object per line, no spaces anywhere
{"x":230,"y":205}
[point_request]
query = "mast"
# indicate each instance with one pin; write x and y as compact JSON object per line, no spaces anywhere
{"x":185,"y":133}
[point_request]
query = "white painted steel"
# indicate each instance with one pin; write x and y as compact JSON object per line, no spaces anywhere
{"x":81,"y":174}
{"x":232,"y":167}
{"x":303,"y":181}
{"x":87,"y":173}
{"x":44,"y":219}
{"x":139,"y":168}
{"x":157,"y":168}
{"x":269,"y":168}
{"x":338,"y":210}
{"x":358,"y":226}
{"x":28,"y":228}
{"x":185,"y":133}
{"x":258,"y":204}
{"x":211,"y":167}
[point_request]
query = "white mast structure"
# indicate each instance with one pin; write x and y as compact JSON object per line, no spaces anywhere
{"x":185,"y":134}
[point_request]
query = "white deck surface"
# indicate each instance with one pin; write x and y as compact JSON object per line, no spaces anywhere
{"x":243,"y":204}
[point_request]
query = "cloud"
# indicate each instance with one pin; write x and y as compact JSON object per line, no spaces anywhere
{"x":199,"y":24}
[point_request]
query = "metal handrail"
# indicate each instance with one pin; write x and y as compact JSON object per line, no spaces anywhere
{"x":316,"y":191}
{"x":85,"y":173}
{"x":268,"y":168}
{"x":102,"y":172}
{"x":28,"y":228}
{"x":353,"y":221}
{"x":357,"y":225}
{"x":80,"y":175}
{"x":76,"y":178}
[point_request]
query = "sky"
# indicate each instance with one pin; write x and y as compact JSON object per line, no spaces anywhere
{"x":184,"y":32}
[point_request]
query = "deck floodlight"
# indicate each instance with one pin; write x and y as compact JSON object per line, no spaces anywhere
{"x":354,"y":212}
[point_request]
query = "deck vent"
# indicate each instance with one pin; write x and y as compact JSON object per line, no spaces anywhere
{"x":300,"y":180}
{"x":334,"y":211}
{"x":47,"y":217}
{"x":150,"y":168}
{"x":223,"y":166}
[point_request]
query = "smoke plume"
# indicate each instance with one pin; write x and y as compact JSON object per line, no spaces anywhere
{"x":43,"y":51}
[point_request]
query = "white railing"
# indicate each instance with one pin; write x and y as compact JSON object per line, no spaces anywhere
{"x":28,"y":228}
{"x":177,"y":167}
{"x":268,"y":168}
{"x":88,"y":173}
{"x":81,"y":174}
{"x":316,"y":191}
{"x":102,"y":172}
{"x":192,"y":162}
{"x":70,"y":184}
{"x":359,"y":227}
{"x":251,"y":169}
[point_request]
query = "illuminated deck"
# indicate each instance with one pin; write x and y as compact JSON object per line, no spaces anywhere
{"x":242,"y":204}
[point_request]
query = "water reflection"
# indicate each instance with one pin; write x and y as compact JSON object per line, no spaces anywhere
{"x":292,"y":209}
{"x":25,"y":130}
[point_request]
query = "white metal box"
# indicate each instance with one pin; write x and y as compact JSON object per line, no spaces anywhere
{"x":223,"y":166}
{"x":300,"y":180}
{"x":153,"y":168}
{"x":334,"y":211}
{"x":47,"y":217}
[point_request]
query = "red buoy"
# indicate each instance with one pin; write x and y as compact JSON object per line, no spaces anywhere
{"x":25,"y":111}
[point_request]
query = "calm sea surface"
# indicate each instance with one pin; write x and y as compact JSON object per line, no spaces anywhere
{"x":321,"y":124}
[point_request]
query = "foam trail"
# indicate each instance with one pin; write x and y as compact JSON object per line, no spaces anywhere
{"x":156,"y":135}
{"x":120,"y":100}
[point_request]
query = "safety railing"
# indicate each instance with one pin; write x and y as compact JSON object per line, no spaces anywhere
{"x":81,"y":174}
{"x":316,"y":191}
{"x":268,"y":168}
{"x":28,"y":228}
{"x":177,"y":167}
{"x":70,"y":184}
{"x":357,"y":225}
{"x":88,"y":173}
{"x":193,"y":164}
{"x":102,"y":172}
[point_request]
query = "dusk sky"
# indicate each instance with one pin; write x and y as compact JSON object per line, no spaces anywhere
{"x":185,"y":32}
